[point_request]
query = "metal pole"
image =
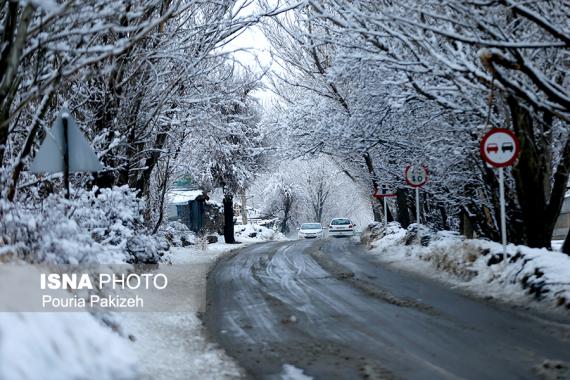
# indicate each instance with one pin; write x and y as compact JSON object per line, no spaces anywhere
{"x":385,"y":213}
{"x":417,"y":205}
{"x":503,"y":215}
{"x":65,"y":156}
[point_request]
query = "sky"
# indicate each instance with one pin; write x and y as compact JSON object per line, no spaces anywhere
{"x":252,"y":49}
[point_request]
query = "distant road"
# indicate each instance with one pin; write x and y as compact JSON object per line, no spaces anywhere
{"x":329,"y":308}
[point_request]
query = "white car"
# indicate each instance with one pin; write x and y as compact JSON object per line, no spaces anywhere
{"x":311,"y":231}
{"x":341,"y":227}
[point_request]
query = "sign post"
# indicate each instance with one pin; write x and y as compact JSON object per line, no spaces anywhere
{"x":503,"y":211}
{"x":64,"y":117}
{"x":417,"y":205}
{"x":416,"y":176}
{"x":384,"y":194}
{"x":385,"y":213}
{"x":500,"y":148}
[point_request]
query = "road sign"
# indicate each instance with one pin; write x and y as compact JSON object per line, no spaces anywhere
{"x":383,"y":193}
{"x":380,"y":196}
{"x":65,"y":149}
{"x":50,"y":156}
{"x":416,"y":175}
{"x":500,"y":147}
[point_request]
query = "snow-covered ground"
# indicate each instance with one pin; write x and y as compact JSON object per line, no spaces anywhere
{"x":145,"y":345}
{"x":174,"y":345}
{"x":530,"y":276}
{"x":62,"y":346}
{"x":557,"y":244}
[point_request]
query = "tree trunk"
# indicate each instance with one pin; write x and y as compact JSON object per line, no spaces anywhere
{"x":479,"y":218}
{"x":143,"y":181}
{"x":376,"y":205}
{"x":403,"y":211}
{"x":243,"y":208}
{"x":319,"y":200}
{"x":443,"y":213}
{"x":28,"y":145}
{"x":229,"y":219}
{"x":540,"y":204}
{"x":389,"y":215}
{"x":466,"y":225}
{"x":376,"y":210}
{"x":14,"y":36}
{"x":163,"y":186}
{"x":287,"y":205}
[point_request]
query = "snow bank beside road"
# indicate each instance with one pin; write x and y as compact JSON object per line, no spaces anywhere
{"x":78,"y":345}
{"x":97,"y":226}
{"x":177,"y":342}
{"x":254,"y":232}
{"x":530,"y":275}
{"x":62,"y":346}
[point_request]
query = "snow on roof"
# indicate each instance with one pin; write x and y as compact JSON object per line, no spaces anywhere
{"x":182,"y":197}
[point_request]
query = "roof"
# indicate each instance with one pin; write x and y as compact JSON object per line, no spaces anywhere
{"x":182,"y":197}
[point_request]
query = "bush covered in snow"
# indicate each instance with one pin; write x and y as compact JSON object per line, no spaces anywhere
{"x":477,"y":265}
{"x":96,"y":226}
{"x":178,"y":234}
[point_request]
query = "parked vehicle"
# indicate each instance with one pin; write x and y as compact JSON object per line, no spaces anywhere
{"x":341,"y":227}
{"x":310,"y":231}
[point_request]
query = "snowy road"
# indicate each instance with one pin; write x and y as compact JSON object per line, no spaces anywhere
{"x":328,"y":308}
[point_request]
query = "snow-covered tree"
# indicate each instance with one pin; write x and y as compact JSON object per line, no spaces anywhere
{"x":225,"y":146}
{"x":313,"y":189}
{"x":401,"y":82}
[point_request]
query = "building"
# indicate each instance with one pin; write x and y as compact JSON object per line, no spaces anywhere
{"x":192,"y":208}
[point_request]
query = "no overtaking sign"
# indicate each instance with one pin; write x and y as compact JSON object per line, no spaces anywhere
{"x":500,"y":147}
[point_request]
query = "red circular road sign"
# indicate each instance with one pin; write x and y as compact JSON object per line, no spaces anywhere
{"x":416,"y":175}
{"x":500,"y":147}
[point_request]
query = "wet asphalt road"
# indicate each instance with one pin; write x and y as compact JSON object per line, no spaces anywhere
{"x":330,"y":309}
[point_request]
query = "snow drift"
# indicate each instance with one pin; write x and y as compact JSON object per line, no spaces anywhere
{"x":62,"y":346}
{"x":528,"y":276}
